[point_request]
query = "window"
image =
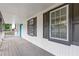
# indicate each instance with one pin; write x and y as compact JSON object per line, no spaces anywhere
{"x":32,"y":27}
{"x":59,"y":23}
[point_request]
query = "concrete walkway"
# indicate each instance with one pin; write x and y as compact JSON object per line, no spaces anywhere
{"x":19,"y":47}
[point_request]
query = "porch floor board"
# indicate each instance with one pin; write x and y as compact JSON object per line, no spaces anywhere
{"x":20,"y":47}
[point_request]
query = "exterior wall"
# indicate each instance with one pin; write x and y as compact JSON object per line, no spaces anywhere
{"x":17,"y":33}
{"x":50,"y":46}
{"x":0,"y":36}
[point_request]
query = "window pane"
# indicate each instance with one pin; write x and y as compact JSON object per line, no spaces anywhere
{"x":58,"y":20}
{"x":31,"y":22}
{"x":63,"y":11}
{"x":57,"y":31}
{"x":63,"y":18}
{"x":52,"y":15}
{"x":63,"y":31}
{"x":52,"y":21}
{"x":58,"y":13}
{"x":53,"y":30}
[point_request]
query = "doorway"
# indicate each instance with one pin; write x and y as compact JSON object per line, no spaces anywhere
{"x":21,"y":29}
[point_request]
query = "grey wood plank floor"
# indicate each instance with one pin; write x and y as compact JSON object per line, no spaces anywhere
{"x":19,"y":47}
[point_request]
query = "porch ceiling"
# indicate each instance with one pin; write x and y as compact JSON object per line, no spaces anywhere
{"x":16,"y":12}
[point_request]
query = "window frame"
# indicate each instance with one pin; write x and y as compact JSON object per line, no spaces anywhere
{"x":67,"y":23}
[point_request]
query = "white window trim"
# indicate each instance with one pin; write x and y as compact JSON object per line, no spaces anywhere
{"x":67,"y":23}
